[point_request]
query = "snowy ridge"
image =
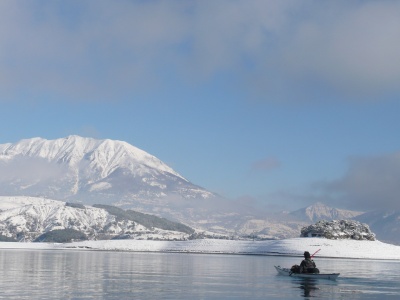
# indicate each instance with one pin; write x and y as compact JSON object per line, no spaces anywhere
{"x":91,"y":171}
{"x":31,"y":217}
{"x":320,"y":211}
{"x":26,"y":218}
{"x":104,"y":155}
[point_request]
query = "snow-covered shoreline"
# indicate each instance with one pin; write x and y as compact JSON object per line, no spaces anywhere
{"x":288,"y":247}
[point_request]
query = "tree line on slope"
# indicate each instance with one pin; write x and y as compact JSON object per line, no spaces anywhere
{"x":149,"y":221}
{"x":61,"y":236}
{"x":68,"y":234}
{"x":4,"y":238}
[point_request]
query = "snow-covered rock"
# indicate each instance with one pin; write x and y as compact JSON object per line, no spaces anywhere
{"x":339,"y":229}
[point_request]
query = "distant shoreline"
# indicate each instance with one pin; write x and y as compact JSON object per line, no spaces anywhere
{"x":343,"y":249}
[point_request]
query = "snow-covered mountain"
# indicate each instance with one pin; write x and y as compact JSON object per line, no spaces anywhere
{"x":91,"y":171}
{"x":319,"y":211}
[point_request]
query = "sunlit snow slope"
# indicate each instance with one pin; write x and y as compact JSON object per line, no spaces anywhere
{"x":26,"y":218}
{"x":89,"y":170}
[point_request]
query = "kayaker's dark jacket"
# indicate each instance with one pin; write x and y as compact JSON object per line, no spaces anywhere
{"x":307,"y":266}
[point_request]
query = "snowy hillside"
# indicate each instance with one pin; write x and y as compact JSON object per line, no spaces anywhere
{"x":26,"y":218}
{"x":319,"y":211}
{"x":91,"y":171}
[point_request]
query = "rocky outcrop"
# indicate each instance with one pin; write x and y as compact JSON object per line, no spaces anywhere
{"x":339,"y":229}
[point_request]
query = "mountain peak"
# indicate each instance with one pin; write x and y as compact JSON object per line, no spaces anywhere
{"x":104,"y":154}
{"x":82,"y":168}
{"x":320,"y":211}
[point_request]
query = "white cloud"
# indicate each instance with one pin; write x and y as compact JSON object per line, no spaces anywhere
{"x":370,"y":183}
{"x":90,"y":50}
{"x":354,"y":49}
{"x":29,"y":170}
{"x":111,"y":48}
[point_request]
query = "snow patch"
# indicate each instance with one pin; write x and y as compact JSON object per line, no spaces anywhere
{"x":101,"y":186}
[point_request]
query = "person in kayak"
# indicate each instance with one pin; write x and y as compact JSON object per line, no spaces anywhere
{"x":308,"y":265}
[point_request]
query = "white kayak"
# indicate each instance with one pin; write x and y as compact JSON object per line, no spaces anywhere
{"x":287,"y":272}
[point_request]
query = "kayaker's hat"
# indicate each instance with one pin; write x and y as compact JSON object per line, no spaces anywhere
{"x":307,"y":254}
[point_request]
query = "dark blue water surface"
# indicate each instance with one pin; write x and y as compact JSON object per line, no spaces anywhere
{"x":48,"y":274}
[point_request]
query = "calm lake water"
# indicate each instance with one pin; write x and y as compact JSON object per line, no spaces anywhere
{"x":45,"y":274}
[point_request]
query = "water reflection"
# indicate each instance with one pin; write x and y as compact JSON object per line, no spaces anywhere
{"x":125,"y":275}
{"x":308,"y":286}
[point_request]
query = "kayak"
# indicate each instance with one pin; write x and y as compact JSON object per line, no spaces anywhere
{"x":287,"y":272}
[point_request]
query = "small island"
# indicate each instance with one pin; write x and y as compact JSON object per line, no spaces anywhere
{"x":339,"y":229}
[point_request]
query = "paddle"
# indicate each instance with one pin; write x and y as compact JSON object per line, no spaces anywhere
{"x":315,"y":253}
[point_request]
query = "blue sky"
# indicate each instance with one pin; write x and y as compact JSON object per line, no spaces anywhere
{"x":274,"y":103}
